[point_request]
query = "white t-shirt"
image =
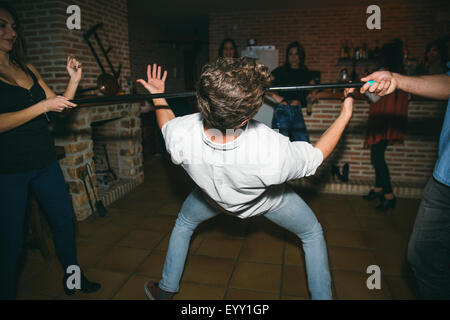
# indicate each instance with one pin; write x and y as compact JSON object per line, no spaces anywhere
{"x":244,"y":177}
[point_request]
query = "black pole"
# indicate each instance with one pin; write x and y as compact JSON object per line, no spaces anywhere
{"x":133,"y":97}
{"x":320,"y":86}
{"x":139,"y":97}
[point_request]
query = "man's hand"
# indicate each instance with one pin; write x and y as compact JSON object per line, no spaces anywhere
{"x":385,"y":83}
{"x":347,"y":104}
{"x":313,"y":96}
{"x":154,"y":84}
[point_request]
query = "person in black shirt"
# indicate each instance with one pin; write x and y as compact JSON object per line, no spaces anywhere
{"x":288,"y":117}
{"x":28,"y":158}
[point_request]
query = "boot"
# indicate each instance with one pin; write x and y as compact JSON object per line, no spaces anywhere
{"x":386,"y":204}
{"x":374,"y":195}
{"x":335,"y":171}
{"x":345,"y":172}
{"x":86,"y":285}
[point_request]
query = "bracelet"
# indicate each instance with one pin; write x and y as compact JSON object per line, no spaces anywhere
{"x":350,"y":95}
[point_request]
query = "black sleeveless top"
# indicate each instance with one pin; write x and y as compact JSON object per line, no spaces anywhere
{"x":31,"y":145}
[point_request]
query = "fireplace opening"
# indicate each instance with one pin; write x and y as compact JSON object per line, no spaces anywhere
{"x":107,"y":143}
{"x":108,"y":140}
{"x":105,"y":148}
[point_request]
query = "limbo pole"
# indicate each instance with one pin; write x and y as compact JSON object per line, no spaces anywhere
{"x":138,"y":97}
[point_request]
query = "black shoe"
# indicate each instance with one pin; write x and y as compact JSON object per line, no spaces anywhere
{"x":86,"y":286}
{"x":386,"y":204}
{"x":345,"y":172}
{"x":374,"y":195}
{"x":335,"y":171}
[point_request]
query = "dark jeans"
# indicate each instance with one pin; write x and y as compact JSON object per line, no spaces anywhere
{"x":382,"y":177}
{"x":429,"y":245}
{"x":49,"y":186}
{"x":290,"y":123}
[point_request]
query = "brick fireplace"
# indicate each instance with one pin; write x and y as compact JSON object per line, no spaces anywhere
{"x":115,"y":126}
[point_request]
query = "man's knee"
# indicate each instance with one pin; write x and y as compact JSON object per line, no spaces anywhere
{"x":314,"y":233}
{"x":188,"y":221}
{"x":183,"y":222}
{"x":317,"y":229}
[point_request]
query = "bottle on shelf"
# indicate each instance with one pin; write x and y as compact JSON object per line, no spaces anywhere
{"x":358,"y":53}
{"x":405,"y":55}
{"x":346,"y":50}
{"x":408,"y":64}
{"x":351,"y":50}
{"x":364,"y":51}
{"x":370,"y":53}
{"x":342,"y":50}
{"x":354,"y":75}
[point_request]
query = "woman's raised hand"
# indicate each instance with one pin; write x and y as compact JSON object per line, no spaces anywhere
{"x":74,"y":68}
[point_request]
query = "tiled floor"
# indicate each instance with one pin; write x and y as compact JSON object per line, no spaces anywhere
{"x":229,"y":258}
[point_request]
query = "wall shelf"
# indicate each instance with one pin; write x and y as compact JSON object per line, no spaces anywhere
{"x":360,"y":62}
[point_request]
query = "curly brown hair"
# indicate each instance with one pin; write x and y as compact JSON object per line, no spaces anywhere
{"x":231,"y":91}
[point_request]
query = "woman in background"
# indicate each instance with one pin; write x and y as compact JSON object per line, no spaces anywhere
{"x":228,"y":49}
{"x":288,"y":116}
{"x":28,"y":158}
{"x":386,"y":126}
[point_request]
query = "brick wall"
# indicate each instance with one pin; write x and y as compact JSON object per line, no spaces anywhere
{"x":321,"y":30}
{"x":49,"y":41}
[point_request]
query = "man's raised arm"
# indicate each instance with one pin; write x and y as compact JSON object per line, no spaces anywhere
{"x":156,"y":84}
{"x":330,"y":138}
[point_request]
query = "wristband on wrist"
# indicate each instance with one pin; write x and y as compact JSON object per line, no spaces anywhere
{"x":350,"y":95}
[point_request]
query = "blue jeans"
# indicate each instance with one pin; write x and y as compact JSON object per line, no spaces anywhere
{"x":290,"y":122}
{"x":50,"y":189}
{"x":292,"y":214}
{"x":429,"y":245}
